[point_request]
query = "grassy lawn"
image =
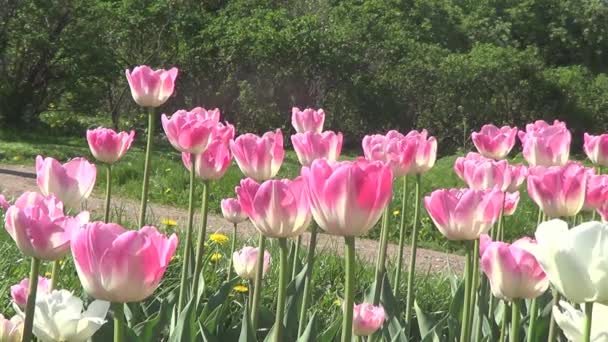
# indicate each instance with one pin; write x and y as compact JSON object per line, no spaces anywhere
{"x":169,"y":181}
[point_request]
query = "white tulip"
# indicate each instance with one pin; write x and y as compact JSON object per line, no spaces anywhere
{"x":571,"y":321}
{"x":575,"y":260}
{"x":59,"y":316}
{"x":11,"y":330}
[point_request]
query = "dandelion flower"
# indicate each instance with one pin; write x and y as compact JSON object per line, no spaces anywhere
{"x":396,"y":213}
{"x":219,"y":238}
{"x":241,"y":288}
{"x":216,"y":257}
{"x":168,"y":222}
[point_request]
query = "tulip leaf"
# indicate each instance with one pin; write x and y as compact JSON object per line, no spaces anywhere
{"x":332,"y":331}
{"x":394,"y":330}
{"x":218,"y":298}
{"x":186,"y":328}
{"x":309,"y":334}
{"x":247,"y":333}
{"x":206,"y":335}
{"x":425,"y":322}
{"x":150,"y":330}
{"x":293,"y":302}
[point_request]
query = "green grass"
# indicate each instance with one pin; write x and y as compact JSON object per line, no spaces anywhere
{"x":169,"y":182}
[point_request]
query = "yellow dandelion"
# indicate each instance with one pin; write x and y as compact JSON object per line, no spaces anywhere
{"x":219,"y":238}
{"x":168,"y":222}
{"x":338,"y":302}
{"x":48,"y":274}
{"x":396,"y":213}
{"x":241,"y":288}
{"x":216,"y":257}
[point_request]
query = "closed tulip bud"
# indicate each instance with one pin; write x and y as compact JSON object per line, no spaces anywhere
{"x":245,"y":262}
{"x":310,"y":146}
{"x":277,"y":208}
{"x":4,"y":204}
{"x":151,"y":88}
{"x":464,"y":214}
{"x":571,"y":321}
{"x":39,"y":227}
{"x":21,"y":290}
{"x":558,"y":190}
{"x":596,"y":194}
{"x":574,"y":259}
{"x":511,"y":201}
{"x":394,"y":149}
{"x":596,"y":148}
{"x":232,"y":211}
{"x":191,"y":131}
{"x":513,"y":272}
{"x":108,"y":146}
{"x":493,"y":142}
{"x":347,"y":198}
{"x":259,"y":158}
{"x":71,"y":182}
{"x":546,"y":145}
{"x":135,"y":260}
{"x":307,"y":120}
{"x":212,"y":164}
{"x":11,"y":330}
{"x":367,"y":319}
{"x":426,"y":151}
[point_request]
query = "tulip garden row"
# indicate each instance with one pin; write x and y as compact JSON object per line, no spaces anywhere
{"x":530,"y":289}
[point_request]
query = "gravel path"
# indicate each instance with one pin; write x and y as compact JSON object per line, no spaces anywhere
{"x":16,"y":179}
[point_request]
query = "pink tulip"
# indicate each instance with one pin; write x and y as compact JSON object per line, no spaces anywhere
{"x":513,"y":272}
{"x":259,"y":158}
{"x":596,"y":193}
{"x":546,"y":145}
{"x":511,"y":201}
{"x":245,"y":262}
{"x":39,"y":227}
{"x":307,"y":120}
{"x":464,"y":214}
{"x":493,"y":142}
{"x":191,"y":131}
{"x":4,"y":204}
{"x":108,"y":146}
{"x":224,"y":132}
{"x":119,"y":265}
{"x":20,"y":291}
{"x":277,"y":208}
{"x":481,"y":174}
{"x":347,"y":198}
{"x":470,"y":157}
{"x":310,"y":146}
{"x":558,"y":190}
{"x":395,"y":149}
{"x":11,"y":330}
{"x":151,"y":88}
{"x":596,"y":148}
{"x":71,"y":182}
{"x":232,"y":211}
{"x":426,"y":151}
{"x":519,"y":173}
{"x":367,"y":319}
{"x":211,"y":164}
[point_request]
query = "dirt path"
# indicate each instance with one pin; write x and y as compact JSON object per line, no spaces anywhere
{"x":16,"y":179}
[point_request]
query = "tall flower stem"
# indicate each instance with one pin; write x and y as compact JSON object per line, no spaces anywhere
{"x":505,"y":323}
{"x":119,"y":317}
{"x":278,"y":337}
{"x":515,"y":319}
{"x":495,"y":234}
{"x":258,"y":283}
{"x":412,"y":267}
{"x":553,"y":326}
{"x":232,"y":248}
{"x":296,"y":254}
{"x":106,"y":216}
{"x":533,"y":316}
{"x":474,"y":282}
{"x":381,"y":261}
{"x":349,"y":288}
{"x":483,"y":306}
{"x":200,"y":243}
{"x":147,"y":167}
{"x":588,"y":321}
{"x":54,"y":274}
{"x":401,"y":234}
{"x":31,"y":301}
{"x":250,"y":295}
{"x":183,"y":286}
{"x":466,"y":311}
{"x":310,"y":258}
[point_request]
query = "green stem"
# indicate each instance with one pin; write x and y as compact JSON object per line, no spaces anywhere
{"x":310,"y":258}
{"x":482,"y":304}
{"x":258,"y":283}
{"x":381,"y":261}
{"x":505,"y":323}
{"x":119,"y":316}
{"x":588,"y":321}
{"x":183,"y":286}
{"x":232,"y":248}
{"x":349,"y":288}
{"x":250,"y":294}
{"x":278,"y":337}
{"x":515,"y":319}
{"x":200,"y":244}
{"x":401,"y":235}
{"x":54,"y":275}
{"x":106,"y":216}
{"x":466,"y":312}
{"x":474,"y":283}
{"x":496,"y":232}
{"x":533,"y":315}
{"x":296,"y":254}
{"x":30,"y":306}
{"x":147,"y":167}
{"x":553,"y":326}
{"x":412,"y":267}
